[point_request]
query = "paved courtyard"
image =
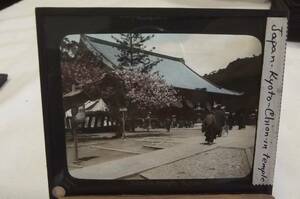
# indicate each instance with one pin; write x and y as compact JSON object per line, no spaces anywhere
{"x":179,"y":154}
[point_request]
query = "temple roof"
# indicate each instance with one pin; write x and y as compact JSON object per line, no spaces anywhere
{"x":174,"y":71}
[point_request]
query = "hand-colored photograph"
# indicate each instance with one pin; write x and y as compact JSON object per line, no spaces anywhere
{"x":160,"y":106}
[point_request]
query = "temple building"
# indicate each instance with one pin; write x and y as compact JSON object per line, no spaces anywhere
{"x":196,"y":91}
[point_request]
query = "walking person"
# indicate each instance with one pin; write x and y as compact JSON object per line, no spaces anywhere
{"x":220,"y":120}
{"x":168,"y":124}
{"x":230,"y":120}
{"x":241,"y":120}
{"x":209,"y":127}
{"x":226,"y":125}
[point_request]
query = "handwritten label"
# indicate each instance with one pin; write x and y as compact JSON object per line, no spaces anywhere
{"x":270,"y":101}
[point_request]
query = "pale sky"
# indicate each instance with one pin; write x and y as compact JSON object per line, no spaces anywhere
{"x":202,"y":52}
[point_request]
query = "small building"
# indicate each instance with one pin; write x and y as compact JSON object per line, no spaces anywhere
{"x":97,"y":118}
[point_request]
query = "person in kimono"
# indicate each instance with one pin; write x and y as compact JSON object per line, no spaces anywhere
{"x":210,"y":128}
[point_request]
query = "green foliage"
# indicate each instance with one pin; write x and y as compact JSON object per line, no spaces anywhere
{"x":242,"y":75}
{"x":68,"y":49}
{"x":132,"y":51}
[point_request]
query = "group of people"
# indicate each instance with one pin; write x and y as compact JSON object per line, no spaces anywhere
{"x":217,"y":121}
{"x":214,"y":123}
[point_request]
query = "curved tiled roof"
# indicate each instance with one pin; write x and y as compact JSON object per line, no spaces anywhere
{"x":173,"y":69}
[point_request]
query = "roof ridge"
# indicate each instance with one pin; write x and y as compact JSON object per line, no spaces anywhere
{"x":113,"y":44}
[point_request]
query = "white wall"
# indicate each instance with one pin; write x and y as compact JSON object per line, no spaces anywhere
{"x":22,"y":151}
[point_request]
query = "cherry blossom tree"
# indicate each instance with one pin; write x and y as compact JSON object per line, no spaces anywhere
{"x":81,"y":68}
{"x":135,"y":88}
{"x":146,"y":90}
{"x":145,"y":93}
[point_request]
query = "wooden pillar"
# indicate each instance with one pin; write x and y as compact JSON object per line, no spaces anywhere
{"x":96,"y":121}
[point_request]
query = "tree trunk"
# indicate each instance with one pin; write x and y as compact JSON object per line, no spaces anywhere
{"x":119,"y":129}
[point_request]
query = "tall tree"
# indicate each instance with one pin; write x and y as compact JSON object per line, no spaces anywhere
{"x":68,"y":49}
{"x":132,"y":51}
{"x":144,"y":89}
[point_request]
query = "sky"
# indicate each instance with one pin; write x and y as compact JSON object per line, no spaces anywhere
{"x":202,"y":52}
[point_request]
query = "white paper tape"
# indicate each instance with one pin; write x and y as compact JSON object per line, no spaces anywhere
{"x":270,"y":101}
